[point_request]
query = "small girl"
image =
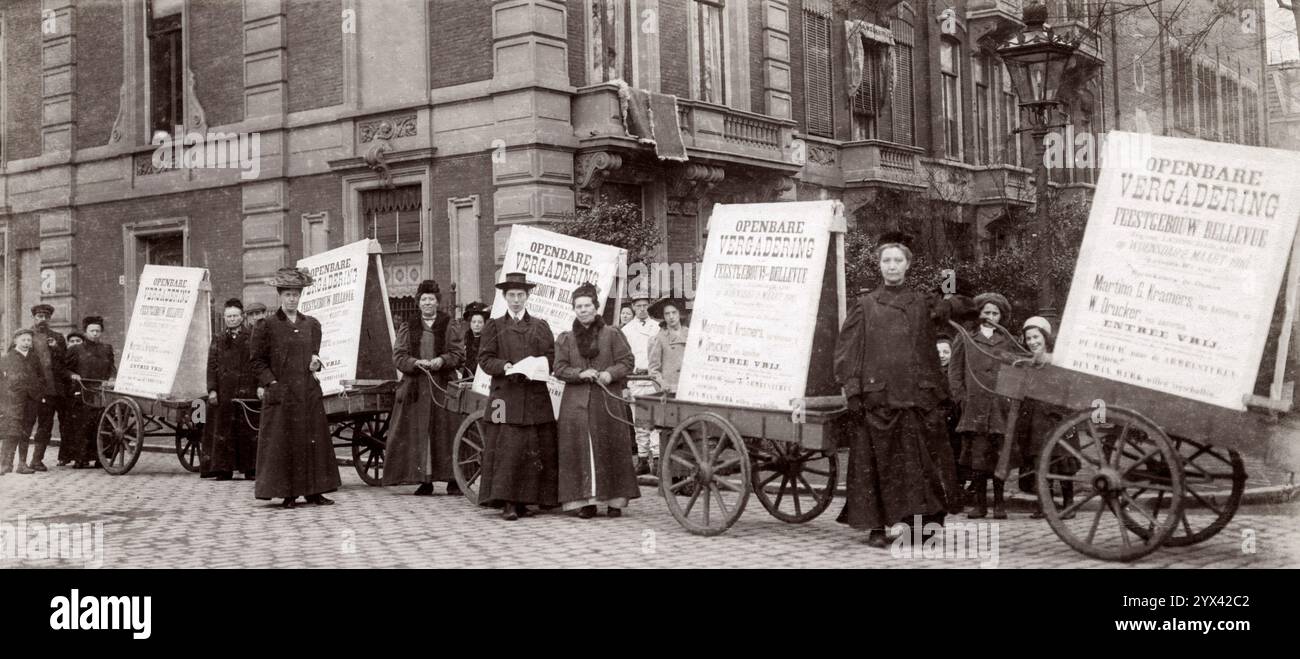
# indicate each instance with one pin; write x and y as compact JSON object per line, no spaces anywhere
{"x":1037,"y":420}
{"x":973,"y":378}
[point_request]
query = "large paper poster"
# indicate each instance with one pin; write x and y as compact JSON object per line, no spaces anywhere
{"x":165,"y":332}
{"x":336,"y":299}
{"x":1180,"y":268}
{"x":558,"y":264}
{"x":756,"y":304}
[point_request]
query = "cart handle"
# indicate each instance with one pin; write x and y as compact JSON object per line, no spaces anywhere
{"x":630,"y":402}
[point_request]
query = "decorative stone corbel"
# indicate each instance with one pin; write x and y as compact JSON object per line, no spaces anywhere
{"x":123,"y":109}
{"x":694,"y":180}
{"x":592,"y":168}
{"x":195,"y":121}
{"x":375,"y":160}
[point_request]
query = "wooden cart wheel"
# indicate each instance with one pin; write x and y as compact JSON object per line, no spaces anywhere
{"x":120,"y":436}
{"x":1213,"y":478}
{"x":705,"y":462}
{"x":1123,"y":470}
{"x":793,"y":483}
{"x":467,"y":455}
{"x":189,"y":444}
{"x":369,"y":439}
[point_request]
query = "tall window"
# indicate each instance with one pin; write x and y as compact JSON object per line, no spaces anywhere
{"x":1231,"y":110}
{"x":870,"y":97}
{"x":1184,"y":92}
{"x":982,"y":68}
{"x":1010,"y":139}
{"x":1078,"y":10}
{"x":904,"y":121}
{"x":1250,"y":116}
{"x":166,"y":66}
{"x":709,"y":72}
{"x":392,"y":216}
{"x":609,"y":41}
{"x":1207,"y":90}
{"x":950,"y":67}
{"x":817,"y":71}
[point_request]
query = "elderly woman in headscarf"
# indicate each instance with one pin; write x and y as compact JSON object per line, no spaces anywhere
{"x":973,"y":378}
{"x":595,"y":455}
{"x":900,"y":464}
{"x":295,"y":454}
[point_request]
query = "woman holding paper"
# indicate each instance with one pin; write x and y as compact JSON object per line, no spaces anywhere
{"x":594,"y":451}
{"x":519,"y":452}
{"x":295,"y":454}
{"x":900,"y":463}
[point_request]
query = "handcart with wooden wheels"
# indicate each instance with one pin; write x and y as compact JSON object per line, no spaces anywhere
{"x":467,"y":447}
{"x":160,"y":388}
{"x":1159,"y":404}
{"x":126,"y":420}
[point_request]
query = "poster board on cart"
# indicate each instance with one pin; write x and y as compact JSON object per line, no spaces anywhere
{"x":558,"y":264}
{"x":1180,"y":268}
{"x":762,"y":303}
{"x":169,"y":327}
{"x":350,"y":299}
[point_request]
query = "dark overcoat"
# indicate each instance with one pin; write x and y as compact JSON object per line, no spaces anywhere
{"x":422,"y":430}
{"x":230,"y":441}
{"x":21,"y":389}
{"x":295,"y":456}
{"x":92,"y":360}
{"x":592,"y":430}
{"x":519,"y":460}
{"x":973,"y":378}
{"x":900,"y":461}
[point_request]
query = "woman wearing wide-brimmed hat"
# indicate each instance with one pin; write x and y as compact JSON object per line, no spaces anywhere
{"x":519,"y":451}
{"x":428,"y":351}
{"x":295,"y":455}
{"x":973,"y":378}
{"x":595,"y":456}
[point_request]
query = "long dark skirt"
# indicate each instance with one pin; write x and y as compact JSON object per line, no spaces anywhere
{"x":520,"y":464}
{"x":85,"y":425}
{"x":900,"y":465}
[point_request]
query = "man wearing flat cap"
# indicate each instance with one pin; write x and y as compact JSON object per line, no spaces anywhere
{"x":520,"y":459}
{"x":92,"y":360}
{"x":640,"y":332}
{"x":52,"y":352}
{"x":253,"y":313}
{"x":21,"y":390}
{"x":295,"y":455}
{"x":428,"y":350}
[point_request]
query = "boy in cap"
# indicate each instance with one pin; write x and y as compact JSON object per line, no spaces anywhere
{"x":640,"y":332}
{"x":20,"y":398}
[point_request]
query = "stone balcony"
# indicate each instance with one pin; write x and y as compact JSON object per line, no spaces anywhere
{"x":993,"y":20}
{"x":1004,"y":184}
{"x":876,"y":163}
{"x":712,"y":133}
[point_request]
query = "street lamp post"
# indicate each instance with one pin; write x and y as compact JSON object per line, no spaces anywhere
{"x":1043,"y":62}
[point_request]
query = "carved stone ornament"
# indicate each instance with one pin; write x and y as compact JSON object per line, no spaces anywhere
{"x":388,"y":128}
{"x":821,"y":154}
{"x":694,"y":180}
{"x":592,"y":168}
{"x":375,"y":160}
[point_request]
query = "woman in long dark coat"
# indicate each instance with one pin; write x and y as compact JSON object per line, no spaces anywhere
{"x":295,"y":456}
{"x":595,"y":456}
{"x":475,"y":317}
{"x":232,"y":441}
{"x":420,"y":439}
{"x":900,"y":463}
{"x":92,"y":360}
{"x":519,"y":451}
{"x":973,"y":378}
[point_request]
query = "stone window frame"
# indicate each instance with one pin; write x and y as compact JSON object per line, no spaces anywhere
{"x":132,"y":232}
{"x":416,"y":173}
{"x":455,"y":265}
{"x":310,"y":219}
{"x":133,"y":126}
{"x":4,"y":94}
{"x":735,"y":58}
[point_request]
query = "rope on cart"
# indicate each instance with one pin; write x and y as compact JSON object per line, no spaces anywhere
{"x":446,"y":396}
{"x":1017,"y":360}
{"x":243,"y":404}
{"x":630,"y":401}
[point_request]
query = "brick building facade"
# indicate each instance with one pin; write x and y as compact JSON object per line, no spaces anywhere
{"x":436,"y":125}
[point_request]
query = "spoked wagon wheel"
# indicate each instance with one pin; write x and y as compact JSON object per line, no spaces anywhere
{"x":189,"y":445}
{"x":467,"y":455}
{"x":1124,"y":470}
{"x":705,"y":474}
{"x":793,"y":483}
{"x":1213,"y":478}
{"x":369,"y":436}
{"x":120,"y":436}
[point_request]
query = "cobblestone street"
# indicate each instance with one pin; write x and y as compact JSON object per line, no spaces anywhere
{"x":160,"y":516}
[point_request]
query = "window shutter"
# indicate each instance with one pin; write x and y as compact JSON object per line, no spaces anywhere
{"x":817,"y":70}
{"x":903,"y":119}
